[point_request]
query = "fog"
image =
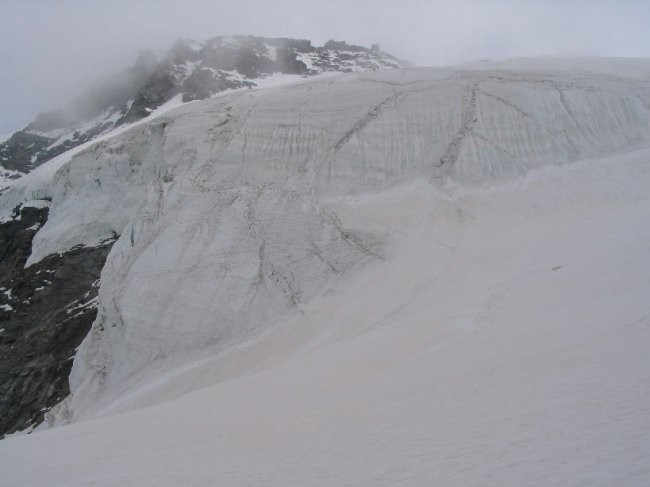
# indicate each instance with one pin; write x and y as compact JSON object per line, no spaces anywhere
{"x":52,"y":51}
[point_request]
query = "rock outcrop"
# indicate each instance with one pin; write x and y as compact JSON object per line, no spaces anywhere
{"x":45,"y":312}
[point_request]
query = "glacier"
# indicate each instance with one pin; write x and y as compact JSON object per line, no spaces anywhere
{"x":422,"y":275}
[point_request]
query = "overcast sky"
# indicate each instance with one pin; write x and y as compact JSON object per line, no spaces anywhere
{"x":50,"y":50}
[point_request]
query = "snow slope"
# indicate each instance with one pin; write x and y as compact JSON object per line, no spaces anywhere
{"x":419,"y":276}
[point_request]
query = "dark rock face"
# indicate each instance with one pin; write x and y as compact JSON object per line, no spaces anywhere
{"x":203,"y":82}
{"x":160,"y":88}
{"x":45,"y":312}
{"x":197,"y":70}
{"x":20,"y":151}
{"x":343,"y":46}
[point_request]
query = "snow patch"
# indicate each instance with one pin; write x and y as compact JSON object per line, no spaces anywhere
{"x":307,"y":58}
{"x":90,"y":304}
{"x":272,"y":51}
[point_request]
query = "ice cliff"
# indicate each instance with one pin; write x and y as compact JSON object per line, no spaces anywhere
{"x":231,"y":214}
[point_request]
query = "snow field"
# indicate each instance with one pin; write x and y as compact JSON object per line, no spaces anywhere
{"x":426,"y":277}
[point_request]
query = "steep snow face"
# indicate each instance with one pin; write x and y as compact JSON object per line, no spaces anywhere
{"x":231,"y":211}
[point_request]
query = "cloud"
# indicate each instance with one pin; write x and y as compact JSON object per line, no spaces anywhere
{"x":51,"y":51}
